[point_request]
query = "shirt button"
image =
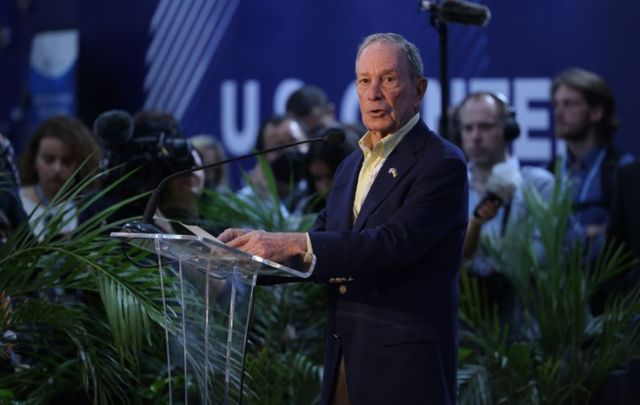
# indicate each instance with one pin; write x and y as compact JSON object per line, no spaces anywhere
{"x":342,"y":289}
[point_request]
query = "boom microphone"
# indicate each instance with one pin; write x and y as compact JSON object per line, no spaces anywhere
{"x":113,"y":128}
{"x":459,"y":11}
{"x":335,"y":136}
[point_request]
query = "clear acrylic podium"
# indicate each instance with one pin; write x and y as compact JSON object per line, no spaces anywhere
{"x":207,"y":293}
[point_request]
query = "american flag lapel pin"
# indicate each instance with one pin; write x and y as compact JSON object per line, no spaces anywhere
{"x":393,"y":171}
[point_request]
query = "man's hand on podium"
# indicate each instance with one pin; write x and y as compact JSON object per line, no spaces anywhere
{"x":277,"y":247}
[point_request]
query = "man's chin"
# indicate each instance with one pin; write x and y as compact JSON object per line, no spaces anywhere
{"x":570,"y":136}
{"x":482,"y":162}
{"x":381,"y":126}
{"x":476,"y":156}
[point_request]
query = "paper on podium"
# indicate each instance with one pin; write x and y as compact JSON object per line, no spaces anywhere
{"x":196,"y":230}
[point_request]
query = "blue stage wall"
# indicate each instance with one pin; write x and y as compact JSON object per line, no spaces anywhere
{"x":223,"y":66}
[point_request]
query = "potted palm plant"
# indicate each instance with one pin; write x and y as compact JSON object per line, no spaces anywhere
{"x":80,"y":321}
{"x":285,"y":340}
{"x":557,"y":350}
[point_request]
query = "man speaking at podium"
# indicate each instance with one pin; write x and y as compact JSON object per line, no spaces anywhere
{"x":388,"y":244}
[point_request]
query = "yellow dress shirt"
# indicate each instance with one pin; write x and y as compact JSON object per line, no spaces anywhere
{"x":374,"y":158}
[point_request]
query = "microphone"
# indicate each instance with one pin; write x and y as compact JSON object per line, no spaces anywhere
{"x":113,"y":128}
{"x":502,"y":184}
{"x":459,"y":11}
{"x":333,"y":136}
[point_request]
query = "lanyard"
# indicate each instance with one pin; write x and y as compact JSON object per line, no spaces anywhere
{"x":592,"y":173}
{"x":43,"y":198}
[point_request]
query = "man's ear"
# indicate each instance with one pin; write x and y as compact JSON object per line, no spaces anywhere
{"x":421,"y":88}
{"x":596,"y":113}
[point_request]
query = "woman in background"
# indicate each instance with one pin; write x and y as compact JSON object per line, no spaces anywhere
{"x":58,"y":148}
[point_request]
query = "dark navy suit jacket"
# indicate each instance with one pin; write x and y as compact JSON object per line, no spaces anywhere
{"x":625,"y":216}
{"x":395,"y":322}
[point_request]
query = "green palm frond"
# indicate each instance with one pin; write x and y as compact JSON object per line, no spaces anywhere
{"x":558,"y":350}
{"x":58,"y":341}
{"x":286,"y":377}
{"x":473,"y":383}
{"x":284,"y":353}
{"x":129,"y":319}
{"x":84,"y":321}
{"x":257,"y":208}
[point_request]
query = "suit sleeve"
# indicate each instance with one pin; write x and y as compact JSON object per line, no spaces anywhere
{"x":410,"y":225}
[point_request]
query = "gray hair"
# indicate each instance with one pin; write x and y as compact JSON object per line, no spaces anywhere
{"x":409,"y":49}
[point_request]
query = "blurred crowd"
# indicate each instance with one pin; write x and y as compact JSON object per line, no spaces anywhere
{"x":130,"y":155}
{"x":122,"y":157}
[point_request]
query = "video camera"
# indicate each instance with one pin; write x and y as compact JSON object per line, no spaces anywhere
{"x":155,"y":148}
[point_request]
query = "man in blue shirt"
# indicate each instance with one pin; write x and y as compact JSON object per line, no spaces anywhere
{"x":585,"y":118}
{"x":496,"y":193}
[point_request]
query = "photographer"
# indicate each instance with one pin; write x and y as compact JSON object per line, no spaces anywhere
{"x":152,"y":145}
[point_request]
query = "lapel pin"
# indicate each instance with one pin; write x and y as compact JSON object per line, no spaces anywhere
{"x":394,"y":172}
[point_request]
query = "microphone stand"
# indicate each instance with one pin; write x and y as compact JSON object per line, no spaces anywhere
{"x":333,"y":137}
{"x":443,"y":37}
{"x":439,"y":15}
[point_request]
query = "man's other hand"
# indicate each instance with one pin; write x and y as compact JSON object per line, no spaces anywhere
{"x":230,"y":234}
{"x":277,"y":247}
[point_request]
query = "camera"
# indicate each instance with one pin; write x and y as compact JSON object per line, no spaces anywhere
{"x":151,"y":145}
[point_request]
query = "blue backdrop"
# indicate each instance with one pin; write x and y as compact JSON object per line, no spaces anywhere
{"x":222,"y":66}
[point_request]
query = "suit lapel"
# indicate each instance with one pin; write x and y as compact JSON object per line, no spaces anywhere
{"x":345,"y":201}
{"x":397,"y":165}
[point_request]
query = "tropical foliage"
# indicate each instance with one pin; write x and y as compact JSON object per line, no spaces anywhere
{"x":285,"y":341}
{"x":81,"y":321}
{"x":555,"y":349}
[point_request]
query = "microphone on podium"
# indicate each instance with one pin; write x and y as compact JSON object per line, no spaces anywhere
{"x":333,"y":136}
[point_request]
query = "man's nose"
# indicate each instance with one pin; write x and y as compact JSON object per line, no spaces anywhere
{"x":56,"y":166}
{"x":475,"y":134}
{"x":374,"y":92}
{"x":558,"y":111}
